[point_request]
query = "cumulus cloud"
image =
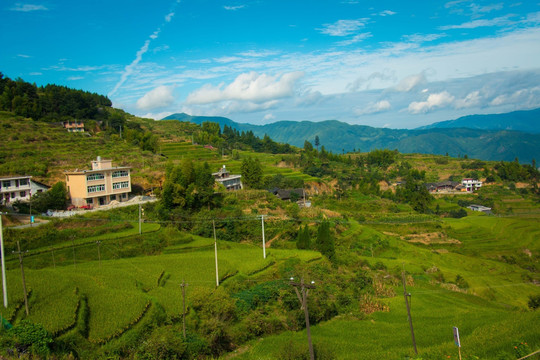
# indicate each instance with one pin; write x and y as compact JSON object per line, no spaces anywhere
{"x":471,"y":100}
{"x":433,"y":101}
{"x":27,"y":7}
{"x":373,"y":108}
{"x":268,"y":117}
{"x":250,"y":86}
{"x":342,"y":27}
{"x":157,"y":98}
{"x":411,"y":82}
{"x":528,"y":97}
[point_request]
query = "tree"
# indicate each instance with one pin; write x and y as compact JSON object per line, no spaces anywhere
{"x":251,"y":170}
{"x":317,"y":142}
{"x":303,"y":240}
{"x":325,"y":241}
{"x":307,"y":146}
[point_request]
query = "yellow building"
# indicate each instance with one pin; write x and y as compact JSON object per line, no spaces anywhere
{"x":99,"y":186}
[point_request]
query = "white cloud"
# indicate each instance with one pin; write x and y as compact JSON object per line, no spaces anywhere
{"x":500,"y":21}
{"x":528,"y":97}
{"x":411,"y":82}
{"x":472,"y":99}
{"x":248,"y":87}
{"x":36,"y":73}
{"x":156,"y":116}
{"x":129,"y":69}
{"x":387,"y":13}
{"x":433,"y":101}
{"x":487,"y":8}
{"x":73,"y":78}
{"x":355,"y":39}
{"x":342,"y":27}
{"x":269,"y":117}
{"x":27,"y":7}
{"x":23,"y":56}
{"x":169,"y":17}
{"x":234,"y":8}
{"x":420,"y":38}
{"x":373,"y":108}
{"x":157,"y":98}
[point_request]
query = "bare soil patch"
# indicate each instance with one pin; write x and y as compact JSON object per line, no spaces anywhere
{"x":430,"y":238}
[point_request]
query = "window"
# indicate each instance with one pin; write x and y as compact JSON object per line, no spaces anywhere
{"x":120,"y":173}
{"x":124,"y":196}
{"x":23,"y":182}
{"x":89,"y":201}
{"x":96,"y":176}
{"x":22,"y":194}
{"x":96,"y":188}
{"x":6,"y":183}
{"x":120,"y":185}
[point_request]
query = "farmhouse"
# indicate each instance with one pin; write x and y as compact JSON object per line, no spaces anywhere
{"x":481,"y":208}
{"x":73,"y":126}
{"x":471,"y":185}
{"x":231,"y":182}
{"x":14,"y":188}
{"x":100,"y":185}
{"x":443,"y":186}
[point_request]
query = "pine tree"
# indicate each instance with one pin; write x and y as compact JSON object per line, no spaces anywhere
{"x":303,"y":239}
{"x":325,"y":241}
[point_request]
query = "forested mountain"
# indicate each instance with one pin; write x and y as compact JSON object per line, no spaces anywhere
{"x":340,"y":137}
{"x":50,"y":102}
{"x":526,"y":121}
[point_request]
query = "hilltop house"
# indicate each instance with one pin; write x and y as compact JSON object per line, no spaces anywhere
{"x":443,"y":186}
{"x":471,"y":185}
{"x":100,"y":185}
{"x":231,"y":182}
{"x":73,"y":126}
{"x":19,"y":188}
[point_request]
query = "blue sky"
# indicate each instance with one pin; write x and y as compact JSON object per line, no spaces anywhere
{"x":398,"y":64}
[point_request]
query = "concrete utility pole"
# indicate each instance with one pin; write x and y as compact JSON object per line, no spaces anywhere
{"x":22,"y":276}
{"x":183,"y":286}
{"x":264,"y":244}
{"x":406,"y":295}
{"x":4,"y":283}
{"x":302,"y":296}
{"x":215,"y":252}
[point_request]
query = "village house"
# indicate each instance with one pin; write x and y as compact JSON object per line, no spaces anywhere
{"x":481,"y":208}
{"x":73,"y":126}
{"x":231,"y":182}
{"x":100,"y":185}
{"x":19,"y":188}
{"x":443,"y":186}
{"x":471,"y":185}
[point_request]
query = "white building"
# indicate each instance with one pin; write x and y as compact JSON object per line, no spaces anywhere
{"x":19,"y":188}
{"x":471,"y":184}
{"x":231,"y":182}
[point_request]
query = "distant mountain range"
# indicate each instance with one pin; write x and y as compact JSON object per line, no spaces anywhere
{"x":486,"y":137}
{"x":526,"y":121}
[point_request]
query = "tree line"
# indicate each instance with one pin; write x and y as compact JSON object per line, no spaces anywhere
{"x":51,"y":102}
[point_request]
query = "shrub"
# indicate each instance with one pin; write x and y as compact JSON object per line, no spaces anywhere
{"x":164,"y":343}
{"x":534,"y":302}
{"x":31,"y":337}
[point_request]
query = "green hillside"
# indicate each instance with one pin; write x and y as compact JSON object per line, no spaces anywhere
{"x":97,"y":287}
{"x":337,"y":137}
